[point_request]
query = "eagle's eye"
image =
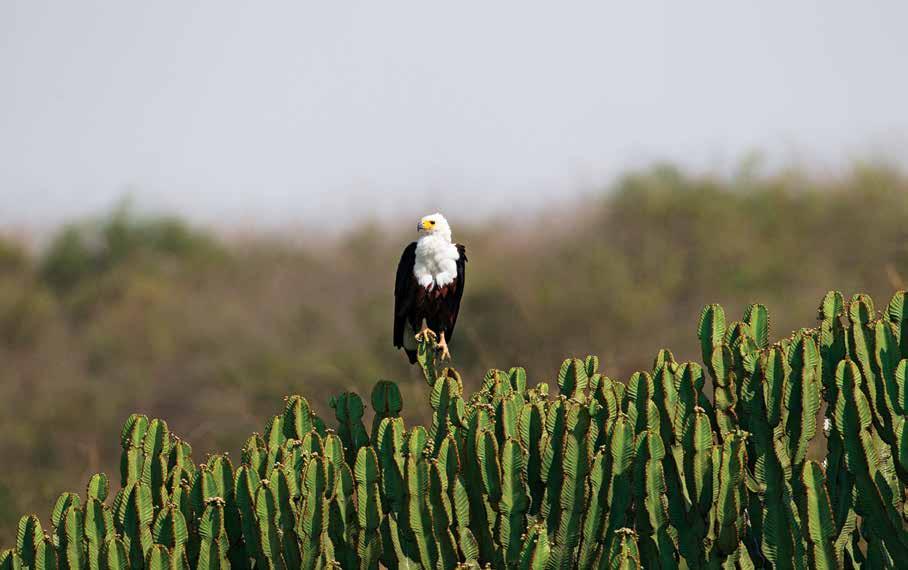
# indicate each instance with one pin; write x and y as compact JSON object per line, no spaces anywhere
{"x":432,"y":222}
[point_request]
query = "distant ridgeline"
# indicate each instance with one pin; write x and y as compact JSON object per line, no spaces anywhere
{"x":685,"y":466}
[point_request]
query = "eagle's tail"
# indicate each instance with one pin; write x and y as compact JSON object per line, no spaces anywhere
{"x":411,"y":354}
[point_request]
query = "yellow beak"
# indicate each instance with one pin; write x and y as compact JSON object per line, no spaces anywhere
{"x":425,"y":225}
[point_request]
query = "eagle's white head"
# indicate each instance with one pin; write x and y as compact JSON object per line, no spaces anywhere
{"x":435,"y":262}
{"x":434,"y":225}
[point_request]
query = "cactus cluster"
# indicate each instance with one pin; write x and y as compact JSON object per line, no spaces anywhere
{"x":684,"y":466}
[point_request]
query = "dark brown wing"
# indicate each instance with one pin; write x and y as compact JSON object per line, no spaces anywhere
{"x":459,"y":284}
{"x":403,"y":292}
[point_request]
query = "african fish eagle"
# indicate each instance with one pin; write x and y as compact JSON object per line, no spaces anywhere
{"x":429,"y":286}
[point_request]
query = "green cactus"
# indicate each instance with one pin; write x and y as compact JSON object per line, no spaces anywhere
{"x":32,"y":546}
{"x":820,"y":525}
{"x":348,"y":409}
{"x":116,"y":555}
{"x":876,"y":487}
{"x":621,"y":462}
{"x":460,"y":502}
{"x":212,"y":547}
{"x":649,"y":473}
{"x":313,"y":518}
{"x":531,"y":429}
{"x":573,"y":379}
{"x":99,"y":526}
{"x":536,"y":549}
{"x":565,"y":515}
{"x":386,"y":402}
{"x":70,"y":539}
{"x":368,"y":507}
{"x":268,"y":539}
{"x":246,"y":483}
{"x":342,"y":518}
{"x":658,"y":538}
{"x":442,"y":514}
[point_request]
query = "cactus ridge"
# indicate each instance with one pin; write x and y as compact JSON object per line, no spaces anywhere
{"x":718,"y":464}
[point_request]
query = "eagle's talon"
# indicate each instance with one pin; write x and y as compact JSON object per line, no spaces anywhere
{"x":426,"y":335}
{"x":442,"y":346}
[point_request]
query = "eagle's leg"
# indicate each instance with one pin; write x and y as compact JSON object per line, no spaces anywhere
{"x":443,"y":347}
{"x":425,"y":333}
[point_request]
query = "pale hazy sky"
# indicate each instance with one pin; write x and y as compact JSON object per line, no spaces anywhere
{"x":328,"y":112}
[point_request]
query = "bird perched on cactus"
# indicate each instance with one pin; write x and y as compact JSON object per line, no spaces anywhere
{"x":429,"y":286}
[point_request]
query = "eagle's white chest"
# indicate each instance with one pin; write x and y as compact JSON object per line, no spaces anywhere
{"x":436,"y":262}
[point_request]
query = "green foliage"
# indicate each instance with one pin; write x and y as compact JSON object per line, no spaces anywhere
{"x":80,"y":253}
{"x":658,"y":473}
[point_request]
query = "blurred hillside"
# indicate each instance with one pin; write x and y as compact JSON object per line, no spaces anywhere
{"x":128,"y":314}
